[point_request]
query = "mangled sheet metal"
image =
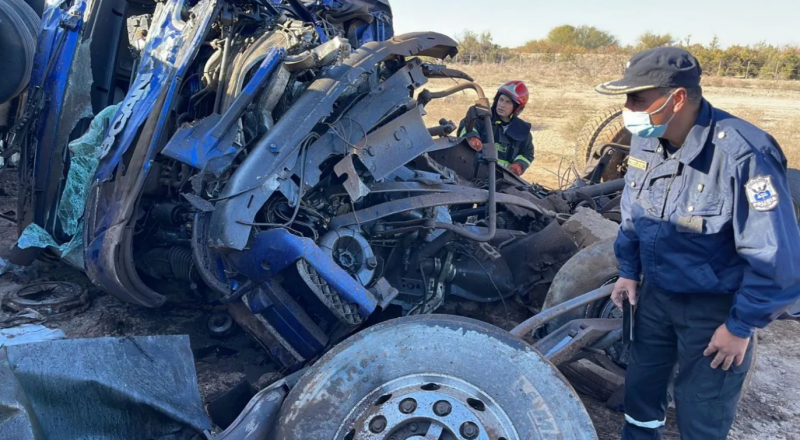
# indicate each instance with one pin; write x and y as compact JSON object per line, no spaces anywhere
{"x":86,"y":155}
{"x":107,"y":388}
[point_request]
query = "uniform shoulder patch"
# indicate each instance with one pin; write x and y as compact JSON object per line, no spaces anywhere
{"x":761,"y":193}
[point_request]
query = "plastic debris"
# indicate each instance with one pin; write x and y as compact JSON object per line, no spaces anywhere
{"x":28,"y":333}
{"x":24,"y":316}
{"x":142,"y":387}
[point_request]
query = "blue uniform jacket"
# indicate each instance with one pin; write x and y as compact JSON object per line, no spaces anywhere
{"x":717,"y":218}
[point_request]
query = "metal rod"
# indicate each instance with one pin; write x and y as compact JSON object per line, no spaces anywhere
{"x":459,"y":87}
{"x":490,"y":155}
{"x":223,"y":72}
{"x":534,"y":322}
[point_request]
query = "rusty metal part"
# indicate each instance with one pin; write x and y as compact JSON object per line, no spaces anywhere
{"x":566,"y":343}
{"x":363,"y":387}
{"x":533,"y":323}
{"x":49,"y":298}
{"x":459,"y":195}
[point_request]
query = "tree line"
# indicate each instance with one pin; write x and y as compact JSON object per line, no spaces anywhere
{"x":755,"y":61}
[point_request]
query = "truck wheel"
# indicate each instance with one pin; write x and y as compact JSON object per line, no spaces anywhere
{"x":18,"y":40}
{"x":433,"y":377}
{"x":590,"y":268}
{"x":593,"y":267}
{"x":605,"y":127}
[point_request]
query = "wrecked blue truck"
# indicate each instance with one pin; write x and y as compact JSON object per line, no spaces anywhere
{"x":273,"y":157}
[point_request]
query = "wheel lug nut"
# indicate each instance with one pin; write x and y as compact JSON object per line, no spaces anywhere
{"x":442,"y":408}
{"x":378,"y":424}
{"x":412,"y":427}
{"x":408,"y":406}
{"x":469,"y":430}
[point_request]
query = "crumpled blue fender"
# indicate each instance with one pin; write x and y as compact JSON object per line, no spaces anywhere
{"x":171,"y":47}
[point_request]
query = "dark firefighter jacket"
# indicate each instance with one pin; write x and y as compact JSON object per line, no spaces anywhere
{"x":513,"y":140}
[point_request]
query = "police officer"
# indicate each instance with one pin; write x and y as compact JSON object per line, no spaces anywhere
{"x":708,"y":223}
{"x":512,"y":135}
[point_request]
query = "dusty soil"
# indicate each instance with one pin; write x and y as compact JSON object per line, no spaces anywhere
{"x":558,"y":108}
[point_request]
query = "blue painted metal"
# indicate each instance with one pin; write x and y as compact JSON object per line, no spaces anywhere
{"x":288,"y":319}
{"x":272,"y":251}
{"x":59,"y":37}
{"x":171,"y":47}
{"x":209,"y":143}
{"x":166,"y":57}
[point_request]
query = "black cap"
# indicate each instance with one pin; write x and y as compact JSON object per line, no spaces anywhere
{"x":656,"y":68}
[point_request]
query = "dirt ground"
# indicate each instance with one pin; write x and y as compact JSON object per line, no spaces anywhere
{"x":559,"y":106}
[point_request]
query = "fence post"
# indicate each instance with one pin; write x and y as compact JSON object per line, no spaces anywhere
{"x":520,"y":61}
{"x":719,"y":69}
{"x":777,"y":66}
{"x":747,"y":71}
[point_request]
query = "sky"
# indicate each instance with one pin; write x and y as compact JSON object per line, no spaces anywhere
{"x":513,"y":22}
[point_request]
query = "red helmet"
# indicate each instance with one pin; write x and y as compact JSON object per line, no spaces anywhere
{"x":517,"y":92}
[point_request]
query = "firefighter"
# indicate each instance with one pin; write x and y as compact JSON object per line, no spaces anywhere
{"x":709,"y":225}
{"x":512,"y":134}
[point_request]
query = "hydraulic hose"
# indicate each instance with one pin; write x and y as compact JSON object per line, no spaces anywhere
{"x":489,"y":154}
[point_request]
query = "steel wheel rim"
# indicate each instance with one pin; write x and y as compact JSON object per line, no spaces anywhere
{"x":427,"y":407}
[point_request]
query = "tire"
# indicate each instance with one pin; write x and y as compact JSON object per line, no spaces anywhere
{"x":481,"y":372}
{"x":18,"y":39}
{"x":605,"y":127}
{"x":587,"y":270}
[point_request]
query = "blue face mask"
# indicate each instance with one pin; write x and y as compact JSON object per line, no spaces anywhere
{"x":640,"y":123}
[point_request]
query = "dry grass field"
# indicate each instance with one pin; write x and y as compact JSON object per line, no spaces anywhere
{"x":563,"y":99}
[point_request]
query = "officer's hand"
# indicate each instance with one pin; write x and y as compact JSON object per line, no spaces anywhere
{"x":624,"y":288}
{"x":475,"y":143}
{"x":515,"y":168}
{"x":728,"y":347}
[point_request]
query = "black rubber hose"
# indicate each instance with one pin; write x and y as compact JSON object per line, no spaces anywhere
{"x":223,"y":72}
{"x":489,"y":154}
{"x":587,"y":199}
{"x":601,"y":189}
